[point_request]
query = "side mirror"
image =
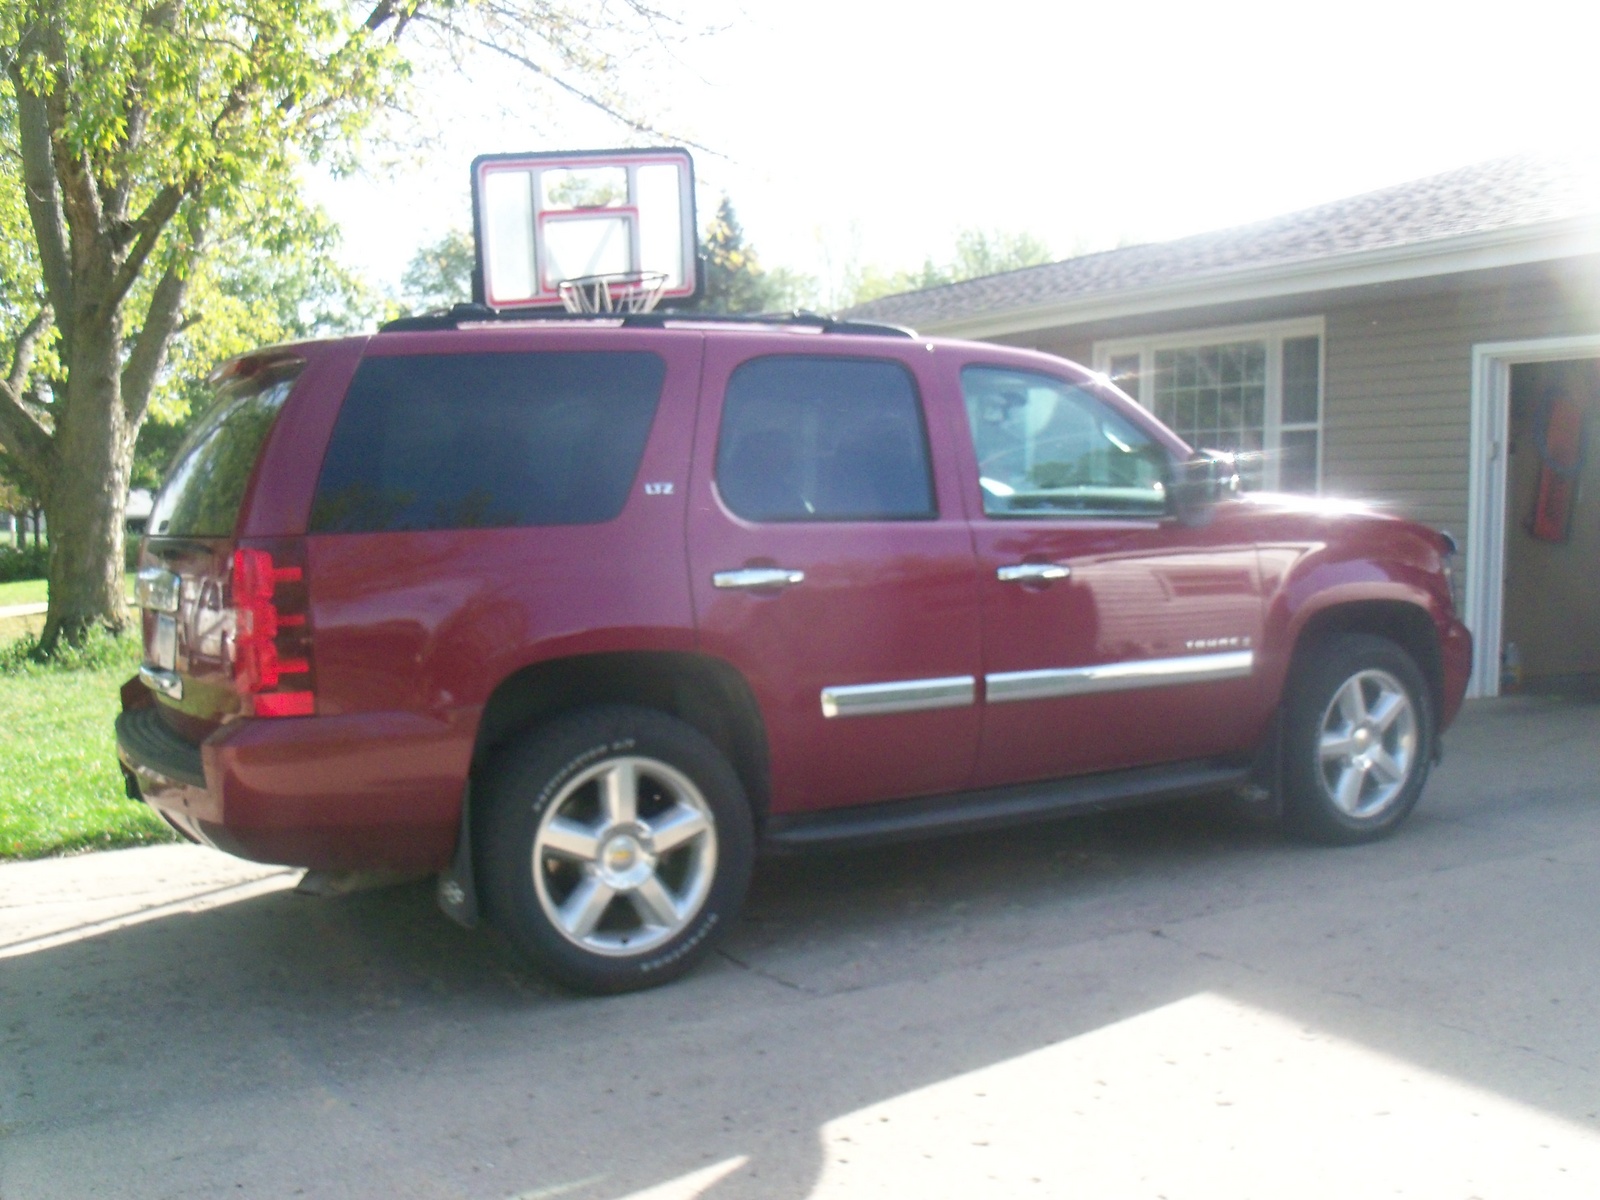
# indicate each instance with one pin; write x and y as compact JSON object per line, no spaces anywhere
{"x":1195,"y":486}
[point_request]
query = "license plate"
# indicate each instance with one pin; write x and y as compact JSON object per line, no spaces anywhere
{"x":164,"y":646}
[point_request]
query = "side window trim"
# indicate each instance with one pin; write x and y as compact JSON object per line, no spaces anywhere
{"x":1045,"y":456}
{"x":799,"y":450}
{"x":488,"y":439}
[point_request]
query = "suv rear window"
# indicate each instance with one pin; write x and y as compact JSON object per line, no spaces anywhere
{"x":452,"y":441}
{"x":206,"y":483}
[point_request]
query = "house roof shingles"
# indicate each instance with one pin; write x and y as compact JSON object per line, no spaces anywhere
{"x":1504,"y":194}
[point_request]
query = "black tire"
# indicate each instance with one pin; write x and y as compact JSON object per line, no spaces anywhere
{"x":1358,"y":739}
{"x":610,"y":903}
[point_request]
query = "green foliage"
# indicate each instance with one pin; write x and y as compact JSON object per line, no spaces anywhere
{"x":19,"y":493}
{"x":977,"y":253}
{"x":279,"y":281}
{"x":99,"y":651}
{"x":439,"y":274}
{"x":150,"y":223}
{"x":736,"y":282}
{"x":224,"y":90}
{"x":246,"y":297}
{"x":596,"y":188}
{"x":23,"y":564}
{"x":980,"y":253}
{"x":148,"y":161}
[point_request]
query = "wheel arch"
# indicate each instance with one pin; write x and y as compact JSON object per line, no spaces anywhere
{"x":703,"y":692}
{"x":1406,"y":624}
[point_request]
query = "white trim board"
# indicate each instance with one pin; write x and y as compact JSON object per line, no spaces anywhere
{"x":1483,"y":603}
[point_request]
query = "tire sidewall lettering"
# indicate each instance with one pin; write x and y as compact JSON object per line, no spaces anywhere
{"x":685,"y":945}
{"x":532,"y":776}
{"x":587,"y":759}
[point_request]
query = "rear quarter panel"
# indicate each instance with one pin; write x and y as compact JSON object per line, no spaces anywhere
{"x":278,"y":502}
{"x":431,"y":622}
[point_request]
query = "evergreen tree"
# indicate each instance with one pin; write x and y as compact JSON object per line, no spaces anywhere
{"x":736,"y":282}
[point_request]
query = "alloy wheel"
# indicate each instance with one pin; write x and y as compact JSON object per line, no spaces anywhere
{"x":624,"y":856}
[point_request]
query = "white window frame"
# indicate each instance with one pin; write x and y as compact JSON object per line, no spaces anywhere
{"x":1273,"y":333}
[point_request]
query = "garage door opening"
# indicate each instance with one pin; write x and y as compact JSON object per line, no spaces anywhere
{"x":1550,"y":638}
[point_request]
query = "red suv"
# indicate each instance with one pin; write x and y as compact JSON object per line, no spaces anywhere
{"x":581,"y":613}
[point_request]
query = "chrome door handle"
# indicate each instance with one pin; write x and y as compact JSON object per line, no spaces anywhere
{"x":757,"y":577}
{"x":1032,"y":572}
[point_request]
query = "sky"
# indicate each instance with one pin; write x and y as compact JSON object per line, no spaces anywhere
{"x":856,"y":132}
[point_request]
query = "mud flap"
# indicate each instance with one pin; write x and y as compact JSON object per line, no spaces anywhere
{"x":1261,"y":799}
{"x":458,"y":892}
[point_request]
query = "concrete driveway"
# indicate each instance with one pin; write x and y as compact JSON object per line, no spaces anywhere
{"x":1156,"y":1004}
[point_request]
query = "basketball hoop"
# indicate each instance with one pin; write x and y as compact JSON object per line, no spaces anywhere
{"x":621,"y":292}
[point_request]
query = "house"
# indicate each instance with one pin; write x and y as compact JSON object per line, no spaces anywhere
{"x":136,"y":515}
{"x":1434,"y":347}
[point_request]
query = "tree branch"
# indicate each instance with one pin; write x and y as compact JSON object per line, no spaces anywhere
{"x":161,"y":322}
{"x":572,"y":89}
{"x":387,"y":10}
{"x":150,"y":224}
{"x":158,"y":17}
{"x":25,"y":437}
{"x":43,"y":195}
{"x":122,"y":191}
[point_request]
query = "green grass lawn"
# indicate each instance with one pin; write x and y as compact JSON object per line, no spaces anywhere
{"x":32,"y":591}
{"x":60,"y":789}
{"x":22,"y":591}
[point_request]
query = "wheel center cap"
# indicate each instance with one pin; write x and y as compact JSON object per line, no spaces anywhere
{"x":624,"y":861}
{"x":1363,"y":737}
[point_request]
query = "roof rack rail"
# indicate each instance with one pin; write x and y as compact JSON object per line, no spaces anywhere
{"x":474,"y":314}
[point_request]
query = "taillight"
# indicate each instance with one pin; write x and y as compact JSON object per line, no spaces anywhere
{"x":272,"y":630}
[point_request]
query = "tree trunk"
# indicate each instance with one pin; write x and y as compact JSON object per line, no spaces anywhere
{"x":87,"y":499}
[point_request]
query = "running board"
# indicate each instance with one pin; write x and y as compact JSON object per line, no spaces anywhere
{"x":905,"y":820}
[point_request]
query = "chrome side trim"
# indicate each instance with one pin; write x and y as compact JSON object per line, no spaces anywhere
{"x":910,"y":695}
{"x":1115,"y":677}
{"x":168,"y":683}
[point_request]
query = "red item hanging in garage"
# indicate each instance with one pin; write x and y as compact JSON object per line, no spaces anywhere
{"x":1561,"y":449}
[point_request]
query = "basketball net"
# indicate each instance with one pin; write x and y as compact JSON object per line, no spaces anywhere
{"x":622,"y":292}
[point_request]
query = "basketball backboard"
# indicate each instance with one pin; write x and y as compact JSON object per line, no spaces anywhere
{"x":542,"y":219}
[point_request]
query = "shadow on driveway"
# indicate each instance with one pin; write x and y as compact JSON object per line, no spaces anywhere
{"x":364,"y":1046}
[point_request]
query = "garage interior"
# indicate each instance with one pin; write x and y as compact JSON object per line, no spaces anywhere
{"x":1551,"y":639}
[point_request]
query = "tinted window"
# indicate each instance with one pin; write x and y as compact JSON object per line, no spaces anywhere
{"x":455,"y":441}
{"x":206,"y":483}
{"x":1047,"y":447}
{"x":823,"y":439}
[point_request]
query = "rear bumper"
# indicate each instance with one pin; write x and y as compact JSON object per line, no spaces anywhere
{"x":366,"y":791}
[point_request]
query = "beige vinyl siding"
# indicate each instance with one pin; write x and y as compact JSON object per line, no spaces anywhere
{"x":1053,"y":341}
{"x":1398,"y":382}
{"x":1397,"y":369}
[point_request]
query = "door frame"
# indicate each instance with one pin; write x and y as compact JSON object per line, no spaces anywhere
{"x":1483,"y":607}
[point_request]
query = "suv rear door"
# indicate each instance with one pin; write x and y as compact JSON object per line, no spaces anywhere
{"x":832,"y":567}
